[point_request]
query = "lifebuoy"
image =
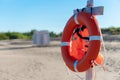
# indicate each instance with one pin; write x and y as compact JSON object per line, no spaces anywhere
{"x":81,"y":18}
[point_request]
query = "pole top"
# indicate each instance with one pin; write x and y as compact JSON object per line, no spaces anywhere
{"x":90,"y":3}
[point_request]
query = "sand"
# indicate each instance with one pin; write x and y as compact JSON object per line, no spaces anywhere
{"x":20,"y":60}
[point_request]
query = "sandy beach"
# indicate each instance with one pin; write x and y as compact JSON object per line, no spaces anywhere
{"x":20,"y":60}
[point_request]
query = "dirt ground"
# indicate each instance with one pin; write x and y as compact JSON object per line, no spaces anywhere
{"x":20,"y":60}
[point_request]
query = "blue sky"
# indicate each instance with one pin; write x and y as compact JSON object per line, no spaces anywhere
{"x":52,"y":15}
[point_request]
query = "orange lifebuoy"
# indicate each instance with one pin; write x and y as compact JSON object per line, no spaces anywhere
{"x":81,"y":18}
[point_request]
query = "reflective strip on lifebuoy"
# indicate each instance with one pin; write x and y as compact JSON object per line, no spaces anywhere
{"x":75,"y":18}
{"x":90,"y":22}
{"x":64,"y":44}
{"x":95,"y":37}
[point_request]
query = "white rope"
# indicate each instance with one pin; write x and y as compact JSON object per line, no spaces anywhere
{"x":94,"y":70}
{"x":104,"y":49}
{"x":69,"y":73}
{"x":81,"y":78}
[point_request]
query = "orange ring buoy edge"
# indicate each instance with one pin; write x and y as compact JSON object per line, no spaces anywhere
{"x":90,"y":22}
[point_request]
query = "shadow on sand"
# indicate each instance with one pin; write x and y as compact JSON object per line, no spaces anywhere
{"x":14,"y":48}
{"x":27,"y":47}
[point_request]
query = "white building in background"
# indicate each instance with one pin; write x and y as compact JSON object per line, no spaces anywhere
{"x":41,"y":38}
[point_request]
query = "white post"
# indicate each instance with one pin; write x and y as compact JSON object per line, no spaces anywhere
{"x":90,"y":74}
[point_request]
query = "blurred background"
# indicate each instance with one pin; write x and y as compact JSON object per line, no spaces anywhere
{"x":20,"y":18}
{"x":24,"y":23}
